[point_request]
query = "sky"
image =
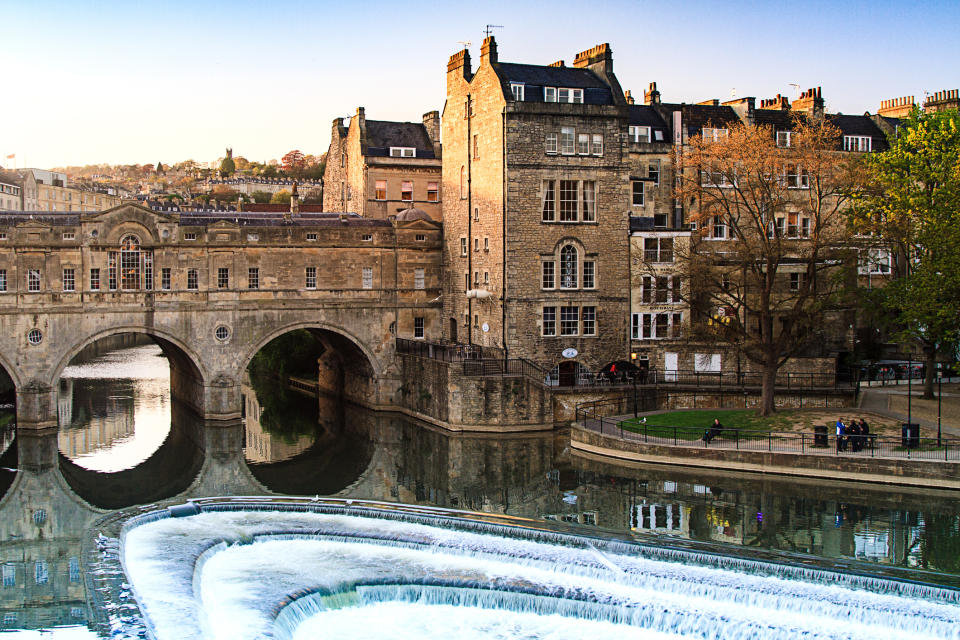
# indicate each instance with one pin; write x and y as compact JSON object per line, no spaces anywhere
{"x":105,"y":81}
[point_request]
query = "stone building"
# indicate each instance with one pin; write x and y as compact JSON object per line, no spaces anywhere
{"x":536,"y":210}
{"x":376,"y":168}
{"x":11,"y":197}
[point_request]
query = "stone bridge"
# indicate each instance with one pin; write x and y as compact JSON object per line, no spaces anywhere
{"x":212,"y":288}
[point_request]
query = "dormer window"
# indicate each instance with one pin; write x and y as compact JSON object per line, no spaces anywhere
{"x":783,"y":138}
{"x":857,"y":143}
{"x":403,"y":152}
{"x":639,"y":134}
{"x":713,"y":134}
{"x":562,"y":94}
{"x":516,"y":89}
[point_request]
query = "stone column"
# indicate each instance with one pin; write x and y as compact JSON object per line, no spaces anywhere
{"x":36,"y":406}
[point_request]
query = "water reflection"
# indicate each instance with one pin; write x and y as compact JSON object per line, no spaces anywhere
{"x":294,"y":443}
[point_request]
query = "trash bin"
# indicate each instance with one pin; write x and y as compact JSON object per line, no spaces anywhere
{"x":820,"y":436}
{"x":910,"y":435}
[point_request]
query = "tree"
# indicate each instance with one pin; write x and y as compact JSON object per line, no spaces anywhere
{"x":280,"y":197}
{"x":227,"y":167}
{"x":261,"y":197}
{"x":910,"y":206}
{"x":294,"y":163}
{"x":223,"y":193}
{"x":767,"y":265}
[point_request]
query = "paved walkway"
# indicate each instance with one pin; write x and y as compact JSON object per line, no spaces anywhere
{"x":878,"y":400}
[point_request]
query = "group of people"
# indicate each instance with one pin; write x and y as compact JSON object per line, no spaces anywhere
{"x":853,"y":435}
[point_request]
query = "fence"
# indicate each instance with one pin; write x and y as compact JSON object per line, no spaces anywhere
{"x":447,"y":352}
{"x":608,"y":417}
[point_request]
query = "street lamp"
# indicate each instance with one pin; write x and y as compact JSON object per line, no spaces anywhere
{"x":633,"y":361}
{"x":939,"y":398}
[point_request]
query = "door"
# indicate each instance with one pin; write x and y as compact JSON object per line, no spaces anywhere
{"x":453,"y":330}
{"x":568,"y":373}
{"x":670,"y":367}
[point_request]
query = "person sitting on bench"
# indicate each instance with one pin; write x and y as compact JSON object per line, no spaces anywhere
{"x":715,"y":429}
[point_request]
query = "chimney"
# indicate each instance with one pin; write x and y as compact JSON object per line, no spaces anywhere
{"x":712,"y":102}
{"x":361,"y":118}
{"x":628,"y":97}
{"x":743,"y":107}
{"x":651,"y":95}
{"x":598,"y":58}
{"x":489,"y":50}
{"x":558,"y":63}
{"x":431,"y":121}
{"x":781,"y":103}
{"x":949,"y":99}
{"x":460,"y":61}
{"x":896,"y":107}
{"x":810,"y":102}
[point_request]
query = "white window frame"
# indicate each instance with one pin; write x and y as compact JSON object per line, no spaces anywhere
{"x":596,"y":145}
{"x":861,"y":144}
{"x":797,"y":177}
{"x":643,"y":325}
{"x":784,"y":138}
{"x":463,"y":247}
{"x":419,"y":278}
{"x":713,"y":134}
{"x":583,"y":144}
{"x":378,"y":193}
{"x":551,"y":329}
{"x":653,"y":171}
{"x":634,"y":193}
{"x":418,"y":327}
{"x":875,"y":262}
{"x":33,"y":280}
{"x":717,"y":223}
{"x":366,"y":278}
{"x":403,"y":152}
{"x":638,"y":133}
{"x":548,"y":274}
{"x":589,"y":274}
{"x":549,"y":94}
{"x":551,"y":143}
{"x":69,"y":280}
{"x":568,"y":141}
{"x":516,"y":88}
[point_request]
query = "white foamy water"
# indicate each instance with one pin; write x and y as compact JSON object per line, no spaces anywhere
{"x":504,"y":587}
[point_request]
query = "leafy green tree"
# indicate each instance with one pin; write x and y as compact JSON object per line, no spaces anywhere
{"x":911,"y":206}
{"x":227,"y":167}
{"x":261,"y":197}
{"x":280,"y":197}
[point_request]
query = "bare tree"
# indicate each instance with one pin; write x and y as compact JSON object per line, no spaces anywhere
{"x":769,"y":263}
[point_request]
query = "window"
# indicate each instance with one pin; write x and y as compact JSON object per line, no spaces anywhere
{"x":656,"y":326}
{"x":567,"y":141}
{"x":433,"y":192}
{"x":549,"y":201}
{"x":568,"y":201}
{"x":95,"y":279}
{"x":367,"y":237}
{"x":189,"y":235}
{"x":596,"y":147}
{"x":418,"y":279}
{"x":568,"y":95}
{"x":569,"y":321}
{"x":463,"y":247}
{"x":661,"y":290}
{"x":517,"y":90}
{"x":653,"y":172}
{"x":797,"y":178}
{"x":380,"y":191}
{"x":311,"y":237}
{"x":719,"y":230}
{"x":589,"y":274}
{"x":646,"y":289}
{"x":192,"y":279}
{"x":476,"y":278}
{"x":33,"y":280}
{"x":549,"y":321}
{"x":69,"y":282}
{"x":69,"y":235}
{"x":783,"y":138}
{"x":486,"y":277}
{"x":589,"y":208}
{"x":223,"y":278}
{"x":253,"y":278}
{"x":550,"y":143}
{"x":714,"y":134}
{"x":3,"y":235}
{"x":476,"y":214}
{"x":805,"y":227}
{"x":418,"y":327}
{"x":466,"y":284}
{"x":486,"y":244}
{"x":130,"y":263}
{"x":476,"y":146}
{"x":638,"y":193}
{"x":583,"y":144}
{"x":714,"y":178}
{"x":310,"y":279}
{"x":253,"y":237}
{"x":549,"y":94}
{"x":406,"y":191}
{"x":638,"y":134}
{"x":548,"y":272}
{"x":403,"y":152}
{"x":3,"y":279}
{"x":476,"y":244}
{"x":658,"y":249}
{"x":367,"y":278}
{"x":857,"y":143}
{"x":875,"y":261}
{"x":420,"y":237}
{"x":9,"y":575}
{"x":589,"y":317}
{"x":795,"y":282}
{"x":148,"y":270}
{"x":165,"y":278}
{"x":41,"y":574}
{"x":568,"y":267}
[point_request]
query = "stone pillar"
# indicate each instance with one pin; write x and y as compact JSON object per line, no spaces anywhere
{"x":36,"y":406}
{"x":222,"y":399}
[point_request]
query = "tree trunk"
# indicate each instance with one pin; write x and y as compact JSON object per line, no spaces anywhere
{"x":931,"y":371}
{"x":768,"y":390}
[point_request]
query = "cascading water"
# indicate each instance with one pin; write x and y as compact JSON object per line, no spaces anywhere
{"x":288,"y":575}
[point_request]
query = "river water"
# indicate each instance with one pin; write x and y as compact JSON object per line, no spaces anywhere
{"x":123,"y":442}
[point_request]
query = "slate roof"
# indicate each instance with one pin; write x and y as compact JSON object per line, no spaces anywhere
{"x":269,"y":219}
{"x":536,"y":77}
{"x":861,"y":126}
{"x":777,"y":119}
{"x":646,"y":116}
{"x":698,"y":116}
{"x":638,"y":223}
{"x":53,"y":219}
{"x":383,"y":134}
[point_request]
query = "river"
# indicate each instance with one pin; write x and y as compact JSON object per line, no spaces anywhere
{"x":123,"y":442}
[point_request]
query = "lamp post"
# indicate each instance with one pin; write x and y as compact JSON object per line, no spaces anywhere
{"x":633,"y":361}
{"x":909,"y":389}
{"x":939,"y":397}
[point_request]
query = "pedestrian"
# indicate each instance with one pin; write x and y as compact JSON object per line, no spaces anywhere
{"x":865,"y":434}
{"x":841,"y":429}
{"x":853,"y":436}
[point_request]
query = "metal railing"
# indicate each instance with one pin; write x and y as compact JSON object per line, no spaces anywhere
{"x":446,"y":352}
{"x":508,"y":367}
{"x":612,"y":418}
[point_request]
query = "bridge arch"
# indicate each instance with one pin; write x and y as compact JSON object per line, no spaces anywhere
{"x":276,"y":332}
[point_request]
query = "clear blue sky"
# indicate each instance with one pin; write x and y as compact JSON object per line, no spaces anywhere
{"x":124,"y":82}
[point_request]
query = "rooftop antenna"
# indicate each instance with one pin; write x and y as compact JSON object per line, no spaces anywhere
{"x":490,"y":27}
{"x":797,"y":87}
{"x":465,"y":43}
{"x":733,"y":92}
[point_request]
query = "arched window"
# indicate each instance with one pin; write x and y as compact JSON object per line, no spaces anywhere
{"x":130,"y":263}
{"x":568,"y":267}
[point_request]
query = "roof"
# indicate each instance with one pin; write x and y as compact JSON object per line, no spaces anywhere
{"x":409,"y":215}
{"x":383,"y":134}
{"x":257,"y":207}
{"x":207,"y":218}
{"x":860,"y":126}
{"x":12,"y":219}
{"x":698,"y":116}
{"x":646,"y":116}
{"x":777,"y":119}
{"x":638,"y":223}
{"x":532,"y":76}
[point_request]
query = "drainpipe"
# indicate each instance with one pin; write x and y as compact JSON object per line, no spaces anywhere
{"x":469,"y":221}
{"x":503,"y":270}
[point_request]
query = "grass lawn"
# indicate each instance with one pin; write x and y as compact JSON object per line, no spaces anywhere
{"x":691,"y":424}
